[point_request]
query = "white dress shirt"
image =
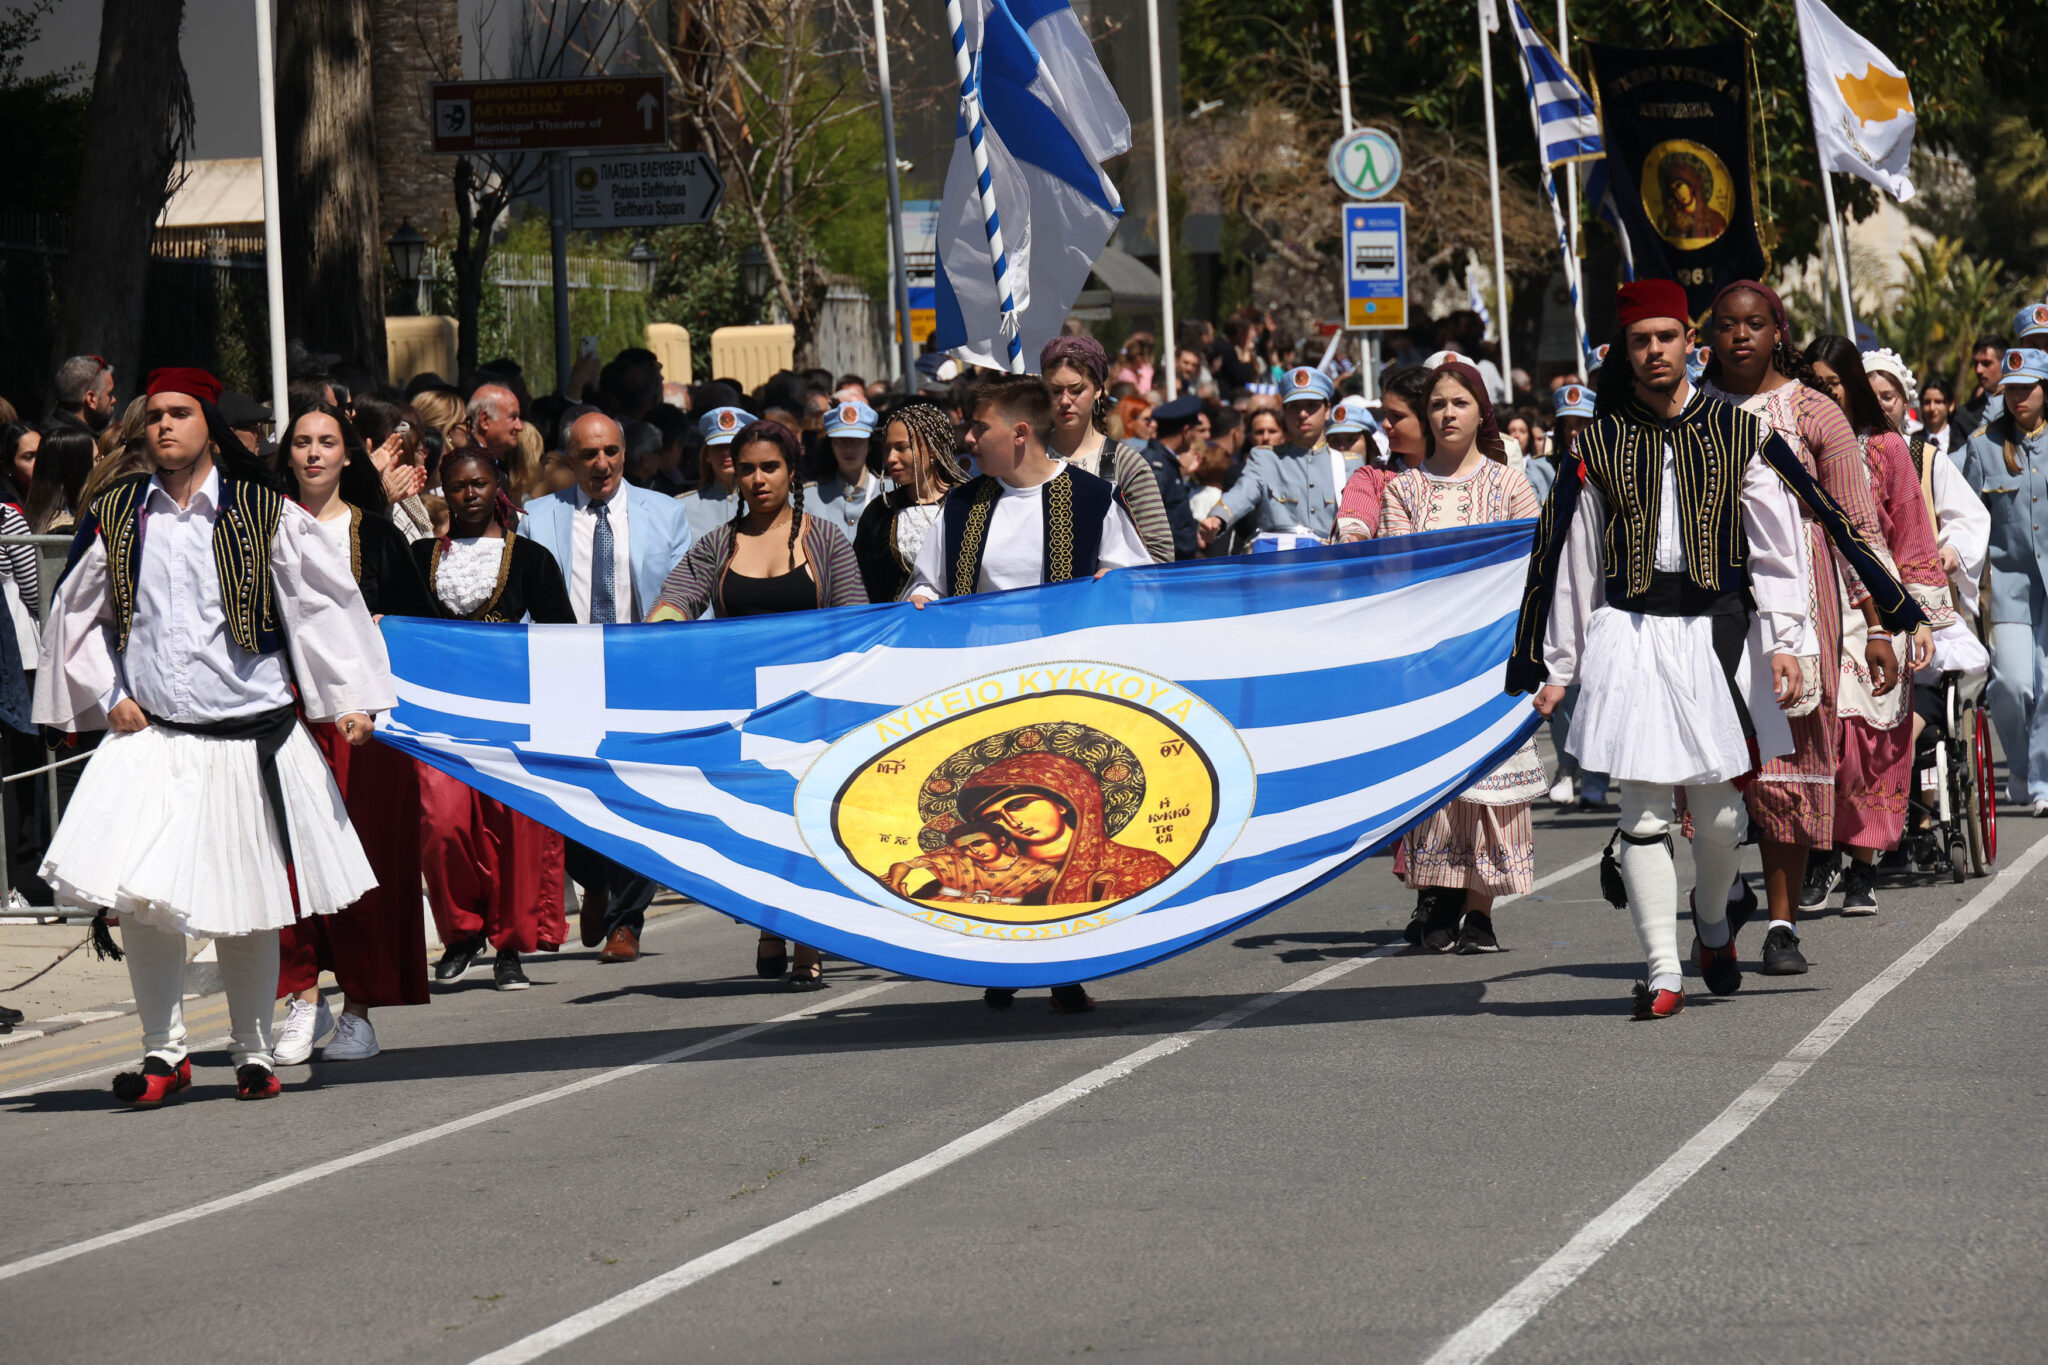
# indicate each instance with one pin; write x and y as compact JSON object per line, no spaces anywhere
{"x":181,"y":663}
{"x":583,"y":536}
{"x":1015,"y":557}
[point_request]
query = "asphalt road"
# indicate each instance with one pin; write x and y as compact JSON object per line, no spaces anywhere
{"x":1299,"y":1143}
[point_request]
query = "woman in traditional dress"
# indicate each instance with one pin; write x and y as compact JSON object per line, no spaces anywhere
{"x":494,"y":877}
{"x":377,"y":947}
{"x":1876,"y":761}
{"x":1076,"y":369}
{"x":1482,"y":845}
{"x":919,"y":454}
{"x":770,"y":559}
{"x":1792,"y":800}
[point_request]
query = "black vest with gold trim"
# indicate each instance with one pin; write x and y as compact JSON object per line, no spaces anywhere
{"x":244,"y":526}
{"x":1074,"y":504}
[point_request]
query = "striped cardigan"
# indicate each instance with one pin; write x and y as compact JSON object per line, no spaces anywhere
{"x":692,"y":586}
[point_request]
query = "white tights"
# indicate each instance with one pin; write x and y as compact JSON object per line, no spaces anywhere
{"x":248,"y":971}
{"x":1718,"y":821}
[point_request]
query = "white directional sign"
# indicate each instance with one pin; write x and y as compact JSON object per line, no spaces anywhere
{"x":643,"y":189}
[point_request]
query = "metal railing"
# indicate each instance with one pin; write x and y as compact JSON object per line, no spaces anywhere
{"x":51,"y":552}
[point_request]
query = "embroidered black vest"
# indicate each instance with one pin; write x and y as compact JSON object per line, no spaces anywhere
{"x":1622,"y":454}
{"x":1074,"y":504}
{"x":243,"y":528}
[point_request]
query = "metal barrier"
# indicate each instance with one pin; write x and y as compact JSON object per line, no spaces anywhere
{"x":51,"y":552}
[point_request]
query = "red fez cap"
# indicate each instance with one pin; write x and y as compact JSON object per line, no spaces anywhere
{"x":184,"y":379}
{"x":1641,"y":299}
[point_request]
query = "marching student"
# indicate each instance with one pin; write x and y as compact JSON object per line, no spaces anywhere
{"x":1296,"y":488}
{"x":494,"y":877}
{"x":376,"y":948}
{"x":1076,"y":370}
{"x":855,"y":482}
{"x":1672,"y":523}
{"x":920,"y":457}
{"x":711,"y":503}
{"x":1792,"y":800}
{"x":208,"y":811}
{"x":1028,"y":518}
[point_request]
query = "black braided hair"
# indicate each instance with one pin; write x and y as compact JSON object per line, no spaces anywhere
{"x":796,"y":515}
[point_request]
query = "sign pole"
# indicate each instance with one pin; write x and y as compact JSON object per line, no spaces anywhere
{"x":1489,"y":21}
{"x":899,"y":275}
{"x":1168,"y":343}
{"x":273,"y":232}
{"x":558,"y":246}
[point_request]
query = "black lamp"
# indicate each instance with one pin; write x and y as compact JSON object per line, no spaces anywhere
{"x":754,"y":275}
{"x":408,"y":252}
{"x":643,"y":257}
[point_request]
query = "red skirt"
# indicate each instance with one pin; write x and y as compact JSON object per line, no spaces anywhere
{"x":490,"y":871}
{"x":376,"y":948}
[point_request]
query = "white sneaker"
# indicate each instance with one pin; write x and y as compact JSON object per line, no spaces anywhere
{"x":354,"y":1040}
{"x":1563,"y":794}
{"x":304,"y":1025}
{"x":2039,"y":809}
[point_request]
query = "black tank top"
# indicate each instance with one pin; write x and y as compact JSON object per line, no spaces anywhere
{"x":739,"y":595}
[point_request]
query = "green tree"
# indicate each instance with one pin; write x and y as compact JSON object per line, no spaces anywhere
{"x":44,"y":117}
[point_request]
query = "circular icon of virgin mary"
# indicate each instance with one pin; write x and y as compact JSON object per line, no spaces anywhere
{"x":1039,"y":802}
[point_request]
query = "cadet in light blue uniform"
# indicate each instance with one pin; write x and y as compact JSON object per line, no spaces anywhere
{"x":843,"y":497}
{"x":2006,"y":461}
{"x":1297,"y":487}
{"x":711,"y":504}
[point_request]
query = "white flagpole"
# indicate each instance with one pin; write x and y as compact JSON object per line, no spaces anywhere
{"x":1167,"y":342}
{"x":1344,"y":65}
{"x":899,"y":285}
{"x":970,"y":100}
{"x":1827,"y":185}
{"x":273,"y":232}
{"x":1571,"y":197}
{"x":1500,"y":265}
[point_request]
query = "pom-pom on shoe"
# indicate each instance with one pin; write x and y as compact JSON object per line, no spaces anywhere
{"x":1657,"y":1004}
{"x":255,"y":1082}
{"x":156,"y":1082}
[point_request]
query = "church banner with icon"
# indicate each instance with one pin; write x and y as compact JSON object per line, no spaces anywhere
{"x":1677,"y":129}
{"x":1015,"y":789}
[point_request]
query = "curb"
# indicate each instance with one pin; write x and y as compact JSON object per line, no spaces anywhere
{"x":204,"y":977}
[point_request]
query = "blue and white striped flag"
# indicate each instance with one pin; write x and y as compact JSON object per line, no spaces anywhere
{"x":1027,"y":206}
{"x":1018,"y":789}
{"x":1567,"y":125}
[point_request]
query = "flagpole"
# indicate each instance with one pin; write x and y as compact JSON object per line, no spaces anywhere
{"x":1500,"y":265}
{"x":1344,"y":65}
{"x":273,"y":234}
{"x":1168,"y":343}
{"x":899,"y":285}
{"x":1827,"y":185}
{"x":1573,"y":272}
{"x":977,"y":135}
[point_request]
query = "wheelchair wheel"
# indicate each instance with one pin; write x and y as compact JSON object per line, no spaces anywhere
{"x":1980,"y":809}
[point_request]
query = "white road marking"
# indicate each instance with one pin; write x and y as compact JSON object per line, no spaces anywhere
{"x":343,"y":1163}
{"x":1488,"y":1332}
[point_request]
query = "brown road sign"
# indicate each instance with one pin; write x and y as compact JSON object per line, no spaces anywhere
{"x":547,"y":115}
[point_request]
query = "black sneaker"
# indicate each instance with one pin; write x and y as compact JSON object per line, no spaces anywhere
{"x":10,"y":1016}
{"x":998,"y":998}
{"x":506,"y":973}
{"x":457,"y":959}
{"x":1440,"y":929}
{"x":1781,"y":953}
{"x":1419,"y":918}
{"x":1476,"y":934}
{"x":1071,"y":1000}
{"x":1858,"y":879}
{"x":1820,"y":879}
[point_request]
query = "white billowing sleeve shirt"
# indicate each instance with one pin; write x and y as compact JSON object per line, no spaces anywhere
{"x":1015,"y":557}
{"x":582,"y":539}
{"x":181,"y":664}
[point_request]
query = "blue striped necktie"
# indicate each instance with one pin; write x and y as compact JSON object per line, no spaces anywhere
{"x":603,"y":610}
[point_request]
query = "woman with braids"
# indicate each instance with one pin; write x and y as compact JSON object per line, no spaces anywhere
{"x":377,"y":947}
{"x":493,"y":876}
{"x":1792,"y":799}
{"x":1076,"y":370}
{"x":919,"y":455}
{"x":771,"y":558}
{"x":1876,"y":758}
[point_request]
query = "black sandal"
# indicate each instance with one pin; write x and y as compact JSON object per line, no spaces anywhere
{"x":769,"y":967}
{"x":807,"y":976}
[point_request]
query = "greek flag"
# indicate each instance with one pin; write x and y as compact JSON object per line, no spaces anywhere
{"x":1017,"y":789}
{"x":1027,"y":206}
{"x":1567,"y":125}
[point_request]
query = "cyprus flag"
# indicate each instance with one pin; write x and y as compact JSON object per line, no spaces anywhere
{"x":1862,"y":110}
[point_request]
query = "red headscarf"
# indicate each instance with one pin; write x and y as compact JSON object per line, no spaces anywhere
{"x":1764,"y":292}
{"x":184,"y":379}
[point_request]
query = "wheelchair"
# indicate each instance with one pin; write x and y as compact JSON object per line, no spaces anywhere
{"x":1952,"y":810}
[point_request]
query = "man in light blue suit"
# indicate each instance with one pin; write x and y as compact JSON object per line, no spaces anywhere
{"x":615,"y":544}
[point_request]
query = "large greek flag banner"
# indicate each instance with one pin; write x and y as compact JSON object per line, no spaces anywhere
{"x":1018,"y":789}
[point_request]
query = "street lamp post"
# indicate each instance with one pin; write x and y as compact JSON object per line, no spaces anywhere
{"x":408,"y":252}
{"x":754,"y":277}
{"x":642,"y":256}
